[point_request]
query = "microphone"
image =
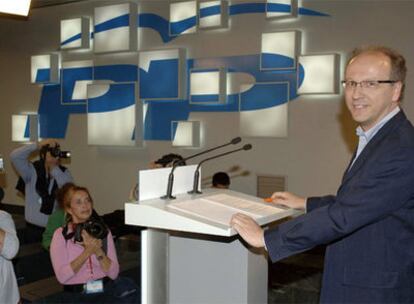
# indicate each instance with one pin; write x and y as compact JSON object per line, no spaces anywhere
{"x":169,"y":195}
{"x":197,"y":171}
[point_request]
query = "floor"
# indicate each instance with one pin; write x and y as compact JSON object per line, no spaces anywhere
{"x":293,"y":280}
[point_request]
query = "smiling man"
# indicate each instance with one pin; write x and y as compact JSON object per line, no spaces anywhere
{"x":372,"y":88}
{"x":369,"y":224}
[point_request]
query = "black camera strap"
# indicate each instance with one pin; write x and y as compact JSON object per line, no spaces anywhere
{"x":42,"y":187}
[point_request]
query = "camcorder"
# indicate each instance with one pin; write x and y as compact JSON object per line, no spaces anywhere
{"x":95,"y":227}
{"x":57,"y":152}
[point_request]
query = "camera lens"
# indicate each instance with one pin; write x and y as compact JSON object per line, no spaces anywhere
{"x":96,"y":229}
{"x":64,"y":154}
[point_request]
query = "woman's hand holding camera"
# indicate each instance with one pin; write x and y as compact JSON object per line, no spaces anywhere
{"x":92,"y":245}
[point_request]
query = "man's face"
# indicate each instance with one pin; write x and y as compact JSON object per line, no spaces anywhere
{"x":51,"y":161}
{"x":369,"y":105}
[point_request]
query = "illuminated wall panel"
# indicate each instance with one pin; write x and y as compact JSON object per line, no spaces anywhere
{"x":207,"y":86}
{"x":264,"y":121}
{"x":281,"y":8}
{"x":185,"y":134}
{"x":321,"y":74}
{"x":140,"y":111}
{"x":116,"y":67}
{"x":115,"y":28}
{"x":183,"y":18}
{"x":75,"y":33}
{"x":111,"y":114}
{"x":162,"y":74}
{"x":76,"y":75}
{"x":213,"y":14}
{"x":45,"y":69}
{"x":25,"y":127}
{"x":275,"y":45}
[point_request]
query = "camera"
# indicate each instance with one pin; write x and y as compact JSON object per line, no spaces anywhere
{"x":95,"y":227}
{"x":58,"y":153}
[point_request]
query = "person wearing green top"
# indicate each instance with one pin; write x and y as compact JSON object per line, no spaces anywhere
{"x":56,"y":219}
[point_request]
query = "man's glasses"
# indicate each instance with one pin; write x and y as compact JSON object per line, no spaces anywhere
{"x":365,"y":84}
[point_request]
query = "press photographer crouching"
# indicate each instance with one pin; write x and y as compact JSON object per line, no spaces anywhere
{"x":84,"y":257}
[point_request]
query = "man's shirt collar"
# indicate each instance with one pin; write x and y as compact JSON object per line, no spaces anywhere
{"x":368,"y":135}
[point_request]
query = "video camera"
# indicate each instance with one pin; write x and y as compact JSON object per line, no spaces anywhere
{"x":57,"y":152}
{"x":95,"y":227}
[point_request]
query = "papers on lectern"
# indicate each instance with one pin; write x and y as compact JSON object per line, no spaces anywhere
{"x":221,"y":207}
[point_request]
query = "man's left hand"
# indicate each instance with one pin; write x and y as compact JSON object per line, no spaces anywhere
{"x":248,"y":229}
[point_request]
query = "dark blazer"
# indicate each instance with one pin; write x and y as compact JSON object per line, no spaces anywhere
{"x":368,"y":225}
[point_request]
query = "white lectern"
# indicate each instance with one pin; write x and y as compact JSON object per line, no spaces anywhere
{"x":189,"y":252}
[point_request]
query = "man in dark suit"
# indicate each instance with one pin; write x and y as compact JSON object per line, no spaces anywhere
{"x":369,"y":224}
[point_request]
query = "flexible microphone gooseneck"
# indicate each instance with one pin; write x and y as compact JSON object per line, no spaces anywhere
{"x":197,"y":171}
{"x":169,"y":195}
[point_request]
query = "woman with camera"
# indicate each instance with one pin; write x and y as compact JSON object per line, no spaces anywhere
{"x":83,"y":253}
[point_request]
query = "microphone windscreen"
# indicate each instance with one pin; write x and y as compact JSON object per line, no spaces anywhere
{"x":235,"y":140}
{"x":247,"y":147}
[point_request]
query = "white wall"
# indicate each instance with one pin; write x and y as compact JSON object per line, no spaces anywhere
{"x":321,"y":134}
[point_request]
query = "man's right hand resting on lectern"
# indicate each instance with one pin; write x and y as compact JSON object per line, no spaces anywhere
{"x":248,"y":229}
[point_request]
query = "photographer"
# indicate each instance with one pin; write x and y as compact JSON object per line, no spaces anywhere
{"x":83,"y":254}
{"x":39,"y":182}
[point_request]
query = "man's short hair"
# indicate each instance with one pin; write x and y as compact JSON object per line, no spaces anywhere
{"x":221,"y":178}
{"x":398,"y":65}
{"x":170,"y":159}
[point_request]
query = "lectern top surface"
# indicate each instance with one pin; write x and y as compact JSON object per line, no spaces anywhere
{"x":209,"y":213}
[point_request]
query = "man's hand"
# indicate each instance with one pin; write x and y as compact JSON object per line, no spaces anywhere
{"x":49,"y":141}
{"x":289,"y":200}
{"x":248,"y":229}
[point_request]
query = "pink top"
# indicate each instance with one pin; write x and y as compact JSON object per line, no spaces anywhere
{"x":63,"y":252}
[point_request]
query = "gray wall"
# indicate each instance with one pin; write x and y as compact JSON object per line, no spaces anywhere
{"x":321,"y":134}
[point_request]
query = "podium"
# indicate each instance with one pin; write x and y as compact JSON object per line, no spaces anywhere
{"x":191,"y":257}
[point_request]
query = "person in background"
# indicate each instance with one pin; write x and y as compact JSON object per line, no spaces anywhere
{"x":221,"y":180}
{"x":369,"y":224}
{"x":39,"y":183}
{"x":86,"y":264}
{"x":166,"y":160}
{"x":56,"y":219}
{"x":9,"y":246}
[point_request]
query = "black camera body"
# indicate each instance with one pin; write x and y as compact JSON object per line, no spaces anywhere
{"x":95,"y":227}
{"x":57,"y":152}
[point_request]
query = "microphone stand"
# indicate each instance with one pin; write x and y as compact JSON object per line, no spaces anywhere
{"x":169,"y":195}
{"x":197,"y":171}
